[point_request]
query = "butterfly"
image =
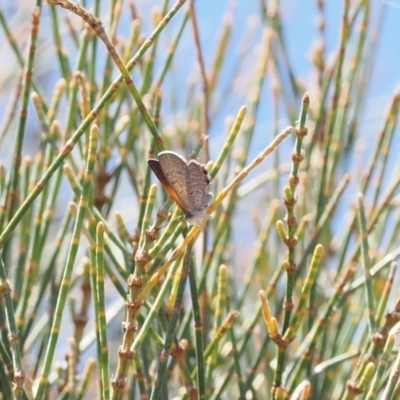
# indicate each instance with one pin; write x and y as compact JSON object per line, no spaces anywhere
{"x":186,"y":183}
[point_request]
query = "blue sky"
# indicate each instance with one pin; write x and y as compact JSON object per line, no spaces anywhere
{"x":298,"y":17}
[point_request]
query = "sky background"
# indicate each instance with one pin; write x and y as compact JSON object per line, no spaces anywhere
{"x":301,"y":34}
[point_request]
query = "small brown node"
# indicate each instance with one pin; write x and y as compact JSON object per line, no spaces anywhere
{"x":288,"y":305}
{"x":40,"y":186}
{"x":5,"y":287}
{"x":134,"y":305}
{"x":368,"y":357}
{"x":291,"y":242}
{"x":142,"y":257}
{"x":19,"y":378}
{"x":297,"y":158}
{"x":198,"y":327}
{"x":290,"y":202}
{"x":308,"y":355}
{"x":291,"y":220}
{"x":393,"y":317}
{"x":149,"y":41}
{"x":80,"y":321}
{"x":69,"y":146}
{"x":292,"y":268}
{"x":164,"y":355}
{"x":134,"y":282}
{"x":354,"y":388}
{"x":119,"y":383}
{"x":301,"y":132}
{"x":125,"y":353}
{"x":379,"y":339}
{"x":13,"y":338}
{"x":94,"y":113}
{"x":280,"y":342}
{"x":131,"y":326}
{"x":152,"y":233}
{"x":102,"y":178}
{"x":293,"y":180}
{"x":162,"y":214}
{"x":310,"y":310}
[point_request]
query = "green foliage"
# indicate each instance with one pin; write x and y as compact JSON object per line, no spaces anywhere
{"x":139,"y":303}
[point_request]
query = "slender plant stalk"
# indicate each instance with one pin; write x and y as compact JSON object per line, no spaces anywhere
{"x":65,"y":284}
{"x":172,"y":325}
{"x":81,"y":130}
{"x":100,"y":294}
{"x":12,"y":187}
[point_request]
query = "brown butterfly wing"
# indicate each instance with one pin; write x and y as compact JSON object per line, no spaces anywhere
{"x":171,"y":169}
{"x":156,"y":167}
{"x":197,"y":184}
